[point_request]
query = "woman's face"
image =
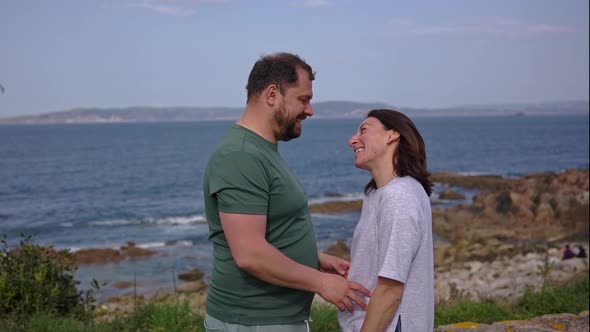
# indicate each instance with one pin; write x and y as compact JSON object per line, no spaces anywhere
{"x":371,"y":143}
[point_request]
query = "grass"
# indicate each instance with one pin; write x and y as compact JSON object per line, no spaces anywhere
{"x":571,"y":297}
{"x":566,"y":298}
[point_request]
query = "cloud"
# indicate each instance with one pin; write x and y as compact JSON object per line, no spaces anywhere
{"x":169,"y":7}
{"x":481,"y":27}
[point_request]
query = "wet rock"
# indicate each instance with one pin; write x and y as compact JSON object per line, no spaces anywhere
{"x":191,"y":287}
{"x":109,"y":255}
{"x":192,"y":275}
{"x":132,"y":251}
{"x":336,"y":206}
{"x":451,"y":195}
{"x":97,"y":256}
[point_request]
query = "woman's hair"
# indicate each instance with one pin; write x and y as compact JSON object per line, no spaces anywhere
{"x":410,"y":156}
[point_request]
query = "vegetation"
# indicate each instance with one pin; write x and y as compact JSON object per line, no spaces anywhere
{"x":553,"y":298}
{"x":38,"y":294}
{"x":37,"y":279}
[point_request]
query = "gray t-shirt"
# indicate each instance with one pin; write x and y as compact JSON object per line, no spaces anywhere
{"x":393,"y":239}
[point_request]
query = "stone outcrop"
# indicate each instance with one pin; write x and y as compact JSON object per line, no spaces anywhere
{"x":336,"y":206}
{"x":546,"y":323}
{"x":450,"y":194}
{"x":192,"y":275}
{"x":539,"y":206}
{"x":110,"y":255}
{"x":481,"y":182}
{"x":504,"y":277}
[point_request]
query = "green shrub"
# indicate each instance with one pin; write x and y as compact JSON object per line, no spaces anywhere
{"x":467,"y":310}
{"x":38,"y":279}
{"x":324,"y":317}
{"x":571,"y":297}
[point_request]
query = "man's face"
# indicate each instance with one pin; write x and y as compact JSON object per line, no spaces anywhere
{"x":294,"y":107}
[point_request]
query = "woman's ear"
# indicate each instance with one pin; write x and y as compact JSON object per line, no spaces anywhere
{"x":392,"y":136}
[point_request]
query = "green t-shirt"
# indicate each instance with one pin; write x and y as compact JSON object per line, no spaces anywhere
{"x":247,"y":175}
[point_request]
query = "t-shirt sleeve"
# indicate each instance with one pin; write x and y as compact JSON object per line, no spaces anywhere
{"x":400,"y":234}
{"x":240,"y":183}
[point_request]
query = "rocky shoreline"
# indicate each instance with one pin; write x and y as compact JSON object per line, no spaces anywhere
{"x":509,"y":238}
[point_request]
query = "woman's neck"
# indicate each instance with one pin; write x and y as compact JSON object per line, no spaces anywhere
{"x":383,"y":175}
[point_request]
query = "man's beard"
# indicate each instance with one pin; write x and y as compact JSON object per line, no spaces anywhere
{"x":287,"y":127}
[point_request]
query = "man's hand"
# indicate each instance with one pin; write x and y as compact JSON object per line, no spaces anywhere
{"x":333,"y":264}
{"x":342,"y":293}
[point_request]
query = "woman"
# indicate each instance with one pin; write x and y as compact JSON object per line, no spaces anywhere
{"x":392,"y":253}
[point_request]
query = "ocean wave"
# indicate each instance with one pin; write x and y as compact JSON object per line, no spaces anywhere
{"x":150,"y":245}
{"x":482,"y":173}
{"x":172,"y":221}
{"x":143,"y":245}
{"x":339,"y":197}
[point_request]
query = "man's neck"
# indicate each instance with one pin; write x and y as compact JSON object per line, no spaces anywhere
{"x":252,"y":119}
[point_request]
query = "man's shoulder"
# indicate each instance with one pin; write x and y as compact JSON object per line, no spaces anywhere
{"x":240,"y":140}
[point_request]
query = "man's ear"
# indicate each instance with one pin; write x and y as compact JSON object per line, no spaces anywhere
{"x":271,"y":95}
{"x":392,"y":136}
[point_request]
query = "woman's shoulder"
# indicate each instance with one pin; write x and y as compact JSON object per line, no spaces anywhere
{"x":404,"y":189}
{"x":403,"y":184}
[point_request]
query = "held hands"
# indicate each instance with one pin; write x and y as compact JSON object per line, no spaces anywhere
{"x":341,"y":292}
{"x":333,"y":264}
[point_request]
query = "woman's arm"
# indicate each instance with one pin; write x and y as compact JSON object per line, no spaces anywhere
{"x":383,"y":304}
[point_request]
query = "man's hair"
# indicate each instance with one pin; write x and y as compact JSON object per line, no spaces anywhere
{"x":279,"y":69}
{"x":410,"y":156}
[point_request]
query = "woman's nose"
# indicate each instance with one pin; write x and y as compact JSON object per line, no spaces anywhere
{"x":352,"y":141}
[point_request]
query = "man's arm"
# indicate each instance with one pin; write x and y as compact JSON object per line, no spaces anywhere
{"x":383,"y":304}
{"x":245,"y":234}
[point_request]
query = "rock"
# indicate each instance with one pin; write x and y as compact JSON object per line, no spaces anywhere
{"x":131,"y":250}
{"x":546,"y":323}
{"x":97,"y":256}
{"x":572,"y":266}
{"x":442,"y":291}
{"x":124,"y":284}
{"x":336,"y":206}
{"x":339,"y":249}
{"x":536,"y":207}
{"x":192,"y":275}
{"x":451,"y":195}
{"x":483,"y":182}
{"x":191,"y":287}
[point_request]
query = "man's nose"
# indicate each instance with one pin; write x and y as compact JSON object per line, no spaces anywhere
{"x":308,"y":111}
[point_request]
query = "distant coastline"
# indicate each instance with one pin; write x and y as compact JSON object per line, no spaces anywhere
{"x":327,"y":109}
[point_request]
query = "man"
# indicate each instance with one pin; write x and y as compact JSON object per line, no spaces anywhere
{"x":265,"y":258}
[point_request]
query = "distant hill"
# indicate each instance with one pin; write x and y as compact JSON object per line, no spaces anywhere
{"x":327,"y":109}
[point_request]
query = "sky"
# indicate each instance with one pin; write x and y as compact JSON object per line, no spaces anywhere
{"x":63,"y":54}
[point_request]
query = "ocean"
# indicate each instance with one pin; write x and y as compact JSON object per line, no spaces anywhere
{"x":101,"y":185}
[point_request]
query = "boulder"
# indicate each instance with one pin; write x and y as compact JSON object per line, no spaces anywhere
{"x":192,"y":275}
{"x":450,"y":194}
{"x":191,"y":287}
{"x":97,"y":256}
